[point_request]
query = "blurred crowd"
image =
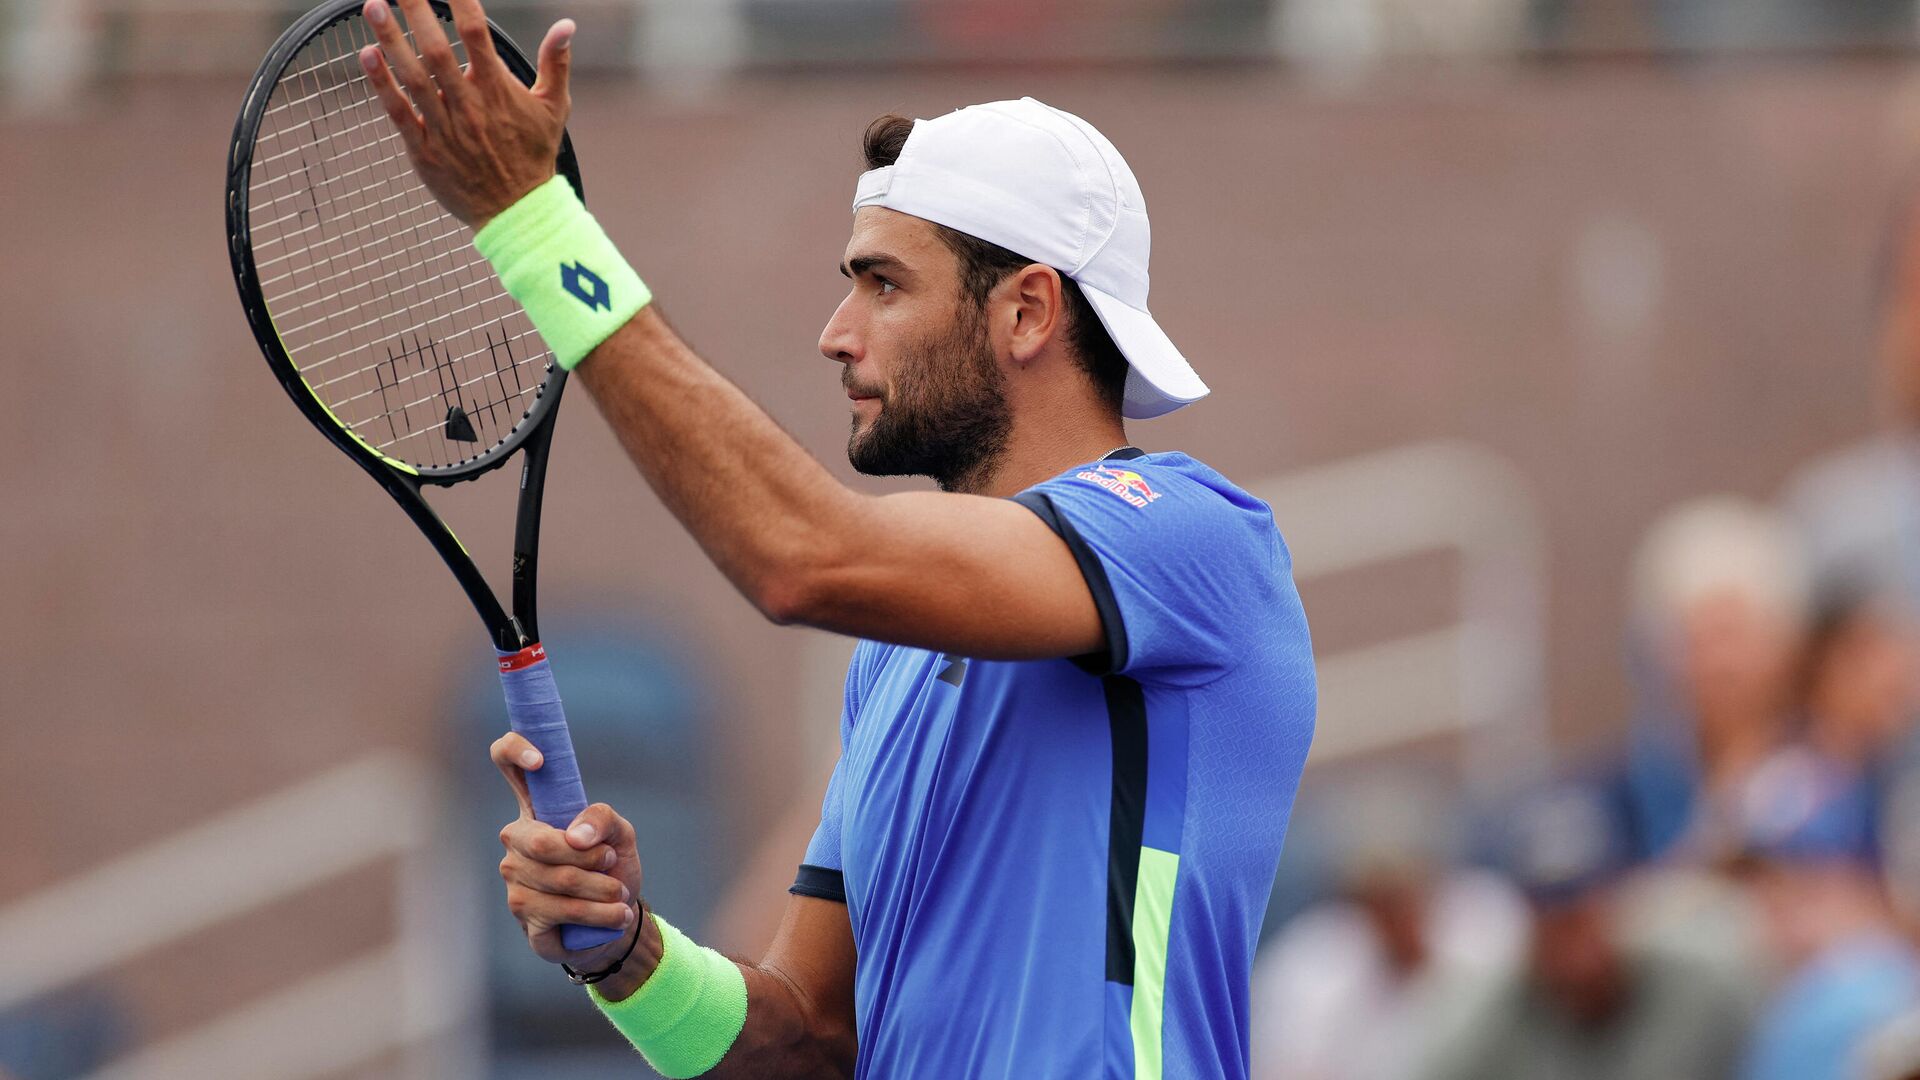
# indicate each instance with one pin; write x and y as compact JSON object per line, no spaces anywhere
{"x":1734,"y":891}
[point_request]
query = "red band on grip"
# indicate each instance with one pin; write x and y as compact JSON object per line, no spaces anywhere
{"x":525,"y":658}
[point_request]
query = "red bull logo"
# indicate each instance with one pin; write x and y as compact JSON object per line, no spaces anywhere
{"x":1126,"y":483}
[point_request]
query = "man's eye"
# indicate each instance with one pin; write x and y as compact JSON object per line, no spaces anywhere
{"x":886,"y":286}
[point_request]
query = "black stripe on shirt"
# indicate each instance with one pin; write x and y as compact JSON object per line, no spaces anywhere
{"x":1127,"y":817}
{"x":1127,"y":726}
{"x":1114,"y":658}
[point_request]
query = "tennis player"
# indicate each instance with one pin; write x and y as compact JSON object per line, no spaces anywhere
{"x":1083,"y":694}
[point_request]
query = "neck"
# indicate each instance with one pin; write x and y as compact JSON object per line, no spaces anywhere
{"x":1042,"y":447}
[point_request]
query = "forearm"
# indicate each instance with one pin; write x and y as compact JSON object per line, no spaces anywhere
{"x":780,"y":1037}
{"x":762,"y":507}
{"x":785,"y":1032}
{"x":925,"y":570}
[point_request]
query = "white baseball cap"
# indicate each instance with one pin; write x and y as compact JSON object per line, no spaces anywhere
{"x":1045,"y":185}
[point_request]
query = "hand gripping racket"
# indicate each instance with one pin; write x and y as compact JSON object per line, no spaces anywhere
{"x":395,"y":337}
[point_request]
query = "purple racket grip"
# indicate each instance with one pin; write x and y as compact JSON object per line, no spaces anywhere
{"x":533,"y":708}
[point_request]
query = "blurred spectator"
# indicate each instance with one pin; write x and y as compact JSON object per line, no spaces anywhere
{"x":1862,"y":670}
{"x":1720,"y":602}
{"x":1892,"y":1052}
{"x":1848,"y":972}
{"x":1859,"y":681}
{"x":1589,"y":1001}
{"x":1361,"y":987}
{"x":1858,"y":509}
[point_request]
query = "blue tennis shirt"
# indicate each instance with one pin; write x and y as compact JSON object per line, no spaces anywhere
{"x":1058,"y":868}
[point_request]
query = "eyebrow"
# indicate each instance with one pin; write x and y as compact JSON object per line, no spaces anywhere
{"x":862,"y":264}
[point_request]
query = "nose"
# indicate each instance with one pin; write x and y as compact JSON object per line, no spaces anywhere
{"x":839,"y":340}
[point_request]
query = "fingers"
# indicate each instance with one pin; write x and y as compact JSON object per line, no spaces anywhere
{"x":435,"y":52}
{"x":392,"y":98}
{"x":405,"y":64}
{"x":598,"y":824}
{"x":471,"y":21}
{"x":545,"y":844}
{"x":514,"y":756}
{"x":589,"y":885}
{"x":540,"y":911}
{"x":556,"y":62}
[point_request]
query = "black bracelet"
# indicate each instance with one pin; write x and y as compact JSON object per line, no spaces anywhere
{"x":590,"y":977}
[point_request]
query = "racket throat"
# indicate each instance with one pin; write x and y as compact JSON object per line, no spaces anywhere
{"x":513,"y":636}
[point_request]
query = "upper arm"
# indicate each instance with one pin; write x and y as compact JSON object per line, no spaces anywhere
{"x":967,"y":574}
{"x":1150,"y":574}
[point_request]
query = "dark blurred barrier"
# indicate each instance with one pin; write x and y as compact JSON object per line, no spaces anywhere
{"x":76,"y":42}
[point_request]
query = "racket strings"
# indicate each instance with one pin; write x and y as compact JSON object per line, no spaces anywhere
{"x":397,"y":325}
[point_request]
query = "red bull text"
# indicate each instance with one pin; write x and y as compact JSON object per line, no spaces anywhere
{"x":1126,"y":483}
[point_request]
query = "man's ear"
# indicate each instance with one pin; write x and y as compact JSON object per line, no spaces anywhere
{"x":1033,"y":296}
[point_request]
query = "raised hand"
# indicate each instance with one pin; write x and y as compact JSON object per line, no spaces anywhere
{"x":479,"y":138}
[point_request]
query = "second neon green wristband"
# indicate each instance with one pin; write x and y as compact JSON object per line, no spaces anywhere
{"x":688,"y":1013}
{"x":555,"y":259}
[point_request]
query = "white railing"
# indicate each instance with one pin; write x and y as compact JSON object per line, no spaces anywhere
{"x":378,"y":1005}
{"x":1482,"y":677}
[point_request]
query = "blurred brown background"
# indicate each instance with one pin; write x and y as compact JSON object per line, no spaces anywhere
{"x":1632,"y":271}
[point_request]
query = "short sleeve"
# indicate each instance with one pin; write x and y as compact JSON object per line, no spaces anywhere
{"x":1180,"y":563}
{"x":820,"y":871}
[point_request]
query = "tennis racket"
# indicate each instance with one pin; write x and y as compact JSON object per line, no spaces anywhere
{"x":395,"y":337}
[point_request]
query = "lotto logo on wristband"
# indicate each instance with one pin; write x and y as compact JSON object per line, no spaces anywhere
{"x":586,"y":286}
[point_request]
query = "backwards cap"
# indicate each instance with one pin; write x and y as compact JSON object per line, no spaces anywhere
{"x":1047,"y":186}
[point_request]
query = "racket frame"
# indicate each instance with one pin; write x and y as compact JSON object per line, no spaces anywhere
{"x":510,"y":630}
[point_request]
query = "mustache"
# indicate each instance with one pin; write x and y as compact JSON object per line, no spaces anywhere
{"x":847,"y":384}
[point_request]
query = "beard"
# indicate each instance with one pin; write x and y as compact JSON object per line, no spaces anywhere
{"x":946,"y":416}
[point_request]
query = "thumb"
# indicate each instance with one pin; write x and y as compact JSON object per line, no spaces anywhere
{"x":513,"y":755}
{"x":599,"y":824}
{"x":556,"y":62}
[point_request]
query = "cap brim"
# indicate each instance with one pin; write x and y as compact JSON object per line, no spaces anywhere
{"x":1161,"y":380}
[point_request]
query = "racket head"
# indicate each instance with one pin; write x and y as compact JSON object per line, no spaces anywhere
{"x":377,"y":316}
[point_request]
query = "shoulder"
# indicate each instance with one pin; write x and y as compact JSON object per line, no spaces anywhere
{"x":1186,"y":568}
{"x":1165,"y":518}
{"x":863,"y":672}
{"x":1154,"y":492}
{"x":869,"y":661}
{"x":1146,"y":480}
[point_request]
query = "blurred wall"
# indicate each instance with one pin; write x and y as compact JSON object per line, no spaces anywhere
{"x":1635,"y":282}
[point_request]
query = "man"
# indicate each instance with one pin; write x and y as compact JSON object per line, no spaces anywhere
{"x":1720,"y":599}
{"x":1590,"y":1002}
{"x":1858,"y":507}
{"x":1364,"y":985}
{"x":1075,"y":724}
{"x":1858,"y":511}
{"x":1847,"y":967}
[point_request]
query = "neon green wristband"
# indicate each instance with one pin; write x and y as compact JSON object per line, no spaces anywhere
{"x":554,"y":258}
{"x":687,"y":1014}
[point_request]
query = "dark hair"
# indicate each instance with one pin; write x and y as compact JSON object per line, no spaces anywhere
{"x":1850,"y":598}
{"x":984,"y":265}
